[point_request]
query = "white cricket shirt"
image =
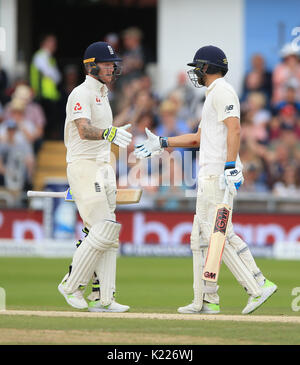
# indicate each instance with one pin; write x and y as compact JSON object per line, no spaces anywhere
{"x":221,"y":102}
{"x":88,"y":100}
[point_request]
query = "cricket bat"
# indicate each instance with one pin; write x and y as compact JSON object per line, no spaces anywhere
{"x":124,"y":196}
{"x":217,"y":240}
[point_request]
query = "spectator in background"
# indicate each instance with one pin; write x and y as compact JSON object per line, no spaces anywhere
{"x":289,"y":185}
{"x":255,"y":117}
{"x":170,"y":125}
{"x":258,"y":79}
{"x":273,"y":129}
{"x":16,"y":159}
{"x":288,"y":109}
{"x":133,"y":54}
{"x":287,"y":72}
{"x":136,"y":99}
{"x":254,"y":178}
{"x":23,"y":95}
{"x":44,"y":79}
{"x":26,"y":131}
{"x":277,"y":157}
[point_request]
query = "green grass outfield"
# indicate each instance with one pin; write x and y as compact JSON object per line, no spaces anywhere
{"x":148,"y":285}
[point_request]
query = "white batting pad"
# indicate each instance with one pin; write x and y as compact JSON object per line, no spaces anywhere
{"x":100,"y":238}
{"x":243,"y":275}
{"x":83,"y":265}
{"x":106,"y":272}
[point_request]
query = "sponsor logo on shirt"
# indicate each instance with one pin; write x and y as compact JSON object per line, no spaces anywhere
{"x":77,"y":107}
{"x":98,"y":100}
{"x":228,"y":108}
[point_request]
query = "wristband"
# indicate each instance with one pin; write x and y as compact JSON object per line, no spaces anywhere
{"x":109,"y":134}
{"x":163,"y":142}
{"x":229,"y":165}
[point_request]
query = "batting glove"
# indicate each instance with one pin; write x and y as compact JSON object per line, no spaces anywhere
{"x":154,"y":145}
{"x":118,"y":136}
{"x":233,"y":177}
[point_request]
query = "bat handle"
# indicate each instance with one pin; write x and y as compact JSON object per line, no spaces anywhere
{"x":226,"y":196}
{"x":45,"y":194}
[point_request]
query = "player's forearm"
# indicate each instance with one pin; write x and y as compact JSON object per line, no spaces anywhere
{"x":233,"y":144}
{"x":233,"y":137}
{"x":189,"y":140}
{"x":87,"y":131}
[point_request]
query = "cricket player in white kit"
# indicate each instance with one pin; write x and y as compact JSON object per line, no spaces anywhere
{"x":219,"y":139}
{"x":88,"y":137}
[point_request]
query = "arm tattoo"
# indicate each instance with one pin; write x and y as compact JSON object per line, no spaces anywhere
{"x":86,"y":130}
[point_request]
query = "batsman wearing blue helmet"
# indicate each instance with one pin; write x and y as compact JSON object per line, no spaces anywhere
{"x":89,"y":132}
{"x":218,"y":139}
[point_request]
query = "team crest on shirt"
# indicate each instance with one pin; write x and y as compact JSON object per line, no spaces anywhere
{"x":98,"y":100}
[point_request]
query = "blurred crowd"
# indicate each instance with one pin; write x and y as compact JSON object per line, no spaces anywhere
{"x":33,"y":110}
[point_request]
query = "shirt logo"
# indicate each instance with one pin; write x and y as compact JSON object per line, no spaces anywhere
{"x":77,"y":107}
{"x":98,"y":100}
{"x":228,"y":108}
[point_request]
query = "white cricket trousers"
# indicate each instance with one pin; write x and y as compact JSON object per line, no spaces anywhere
{"x":93,"y":185}
{"x":236,"y":254}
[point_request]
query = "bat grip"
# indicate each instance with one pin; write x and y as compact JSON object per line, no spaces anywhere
{"x":226,"y":196}
{"x":46,"y":194}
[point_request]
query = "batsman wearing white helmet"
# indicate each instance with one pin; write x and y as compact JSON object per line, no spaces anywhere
{"x":218,"y":137}
{"x":88,"y":136}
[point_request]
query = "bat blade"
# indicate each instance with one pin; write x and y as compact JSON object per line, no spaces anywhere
{"x":216,"y":245}
{"x":128,"y":196}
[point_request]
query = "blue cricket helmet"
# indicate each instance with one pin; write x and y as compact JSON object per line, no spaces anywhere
{"x":213,"y":56}
{"x":100,"y":52}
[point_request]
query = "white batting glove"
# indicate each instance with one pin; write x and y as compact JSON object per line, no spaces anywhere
{"x":118,"y":135}
{"x":152,"y":146}
{"x":233,"y":177}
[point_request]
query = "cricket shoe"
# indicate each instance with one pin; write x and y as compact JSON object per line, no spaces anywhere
{"x":268,"y":289}
{"x":75,"y":299}
{"x":207,"y":308}
{"x":113,"y":307}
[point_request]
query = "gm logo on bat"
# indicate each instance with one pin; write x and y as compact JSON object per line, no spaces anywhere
{"x":221,"y":220}
{"x":209,"y":275}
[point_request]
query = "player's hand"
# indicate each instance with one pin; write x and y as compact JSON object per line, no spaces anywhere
{"x":118,"y":135}
{"x":150,"y":147}
{"x":233,"y":179}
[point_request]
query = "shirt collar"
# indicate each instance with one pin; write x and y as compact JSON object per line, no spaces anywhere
{"x":96,"y":85}
{"x":213,"y":84}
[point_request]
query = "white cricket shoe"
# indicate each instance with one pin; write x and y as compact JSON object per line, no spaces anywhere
{"x":268,"y":289}
{"x":207,"y":308}
{"x":75,"y":299}
{"x":114,"y":307}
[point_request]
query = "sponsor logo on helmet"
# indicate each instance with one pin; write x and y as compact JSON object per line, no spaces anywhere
{"x":111,"y":51}
{"x":225,"y":61}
